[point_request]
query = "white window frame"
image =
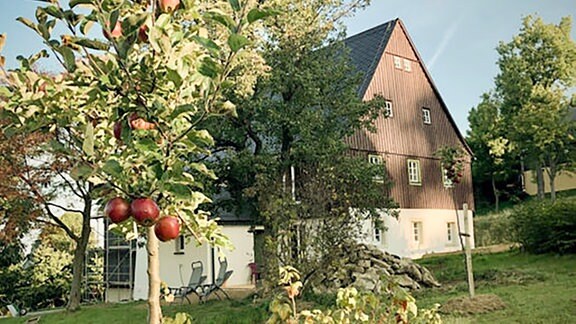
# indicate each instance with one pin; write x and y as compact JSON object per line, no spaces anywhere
{"x":179,"y":245}
{"x":417,"y":230}
{"x":397,"y":62}
{"x":407,"y":65}
{"x":445,"y":180}
{"x":414,"y":173}
{"x":378,"y":160}
{"x":426,"y":116}
{"x":388,"y":112}
{"x":451,"y":232}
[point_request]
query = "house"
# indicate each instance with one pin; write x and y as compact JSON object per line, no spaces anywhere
{"x":418,"y":124}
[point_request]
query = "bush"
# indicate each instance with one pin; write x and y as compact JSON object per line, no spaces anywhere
{"x":543,"y":226}
{"x":493,"y":229}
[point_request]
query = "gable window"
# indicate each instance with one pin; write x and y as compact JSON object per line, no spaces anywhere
{"x":447,"y":181}
{"x":417,"y":232}
{"x":388,"y":109}
{"x":407,"y":65}
{"x":179,"y":245}
{"x":426,"y":117}
{"x":450,"y":231}
{"x":397,"y":62}
{"x":376,"y":159}
{"x":414,"y":177}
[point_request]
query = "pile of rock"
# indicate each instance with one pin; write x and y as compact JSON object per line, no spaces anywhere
{"x":363,"y":266}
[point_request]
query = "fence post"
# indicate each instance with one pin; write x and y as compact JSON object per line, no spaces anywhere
{"x":468,"y":251}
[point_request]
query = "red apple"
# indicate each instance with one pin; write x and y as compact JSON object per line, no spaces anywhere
{"x":168,"y":5}
{"x":118,"y":130}
{"x":143,"y":33}
{"x":118,"y":210}
{"x":139,"y":123}
{"x":114,"y":33}
{"x":167,"y":228}
{"x":145,"y":211}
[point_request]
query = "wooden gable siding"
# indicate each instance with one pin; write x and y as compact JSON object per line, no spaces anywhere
{"x":405,"y":135}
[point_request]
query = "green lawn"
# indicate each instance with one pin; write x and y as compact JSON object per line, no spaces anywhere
{"x":535,"y":288}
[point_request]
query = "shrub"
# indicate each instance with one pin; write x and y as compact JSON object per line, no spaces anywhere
{"x":493,"y":229}
{"x":544,"y":226}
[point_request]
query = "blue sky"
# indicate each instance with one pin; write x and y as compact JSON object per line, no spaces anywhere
{"x":455,"y":38}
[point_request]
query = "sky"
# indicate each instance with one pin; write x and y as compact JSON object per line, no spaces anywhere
{"x":455,"y":38}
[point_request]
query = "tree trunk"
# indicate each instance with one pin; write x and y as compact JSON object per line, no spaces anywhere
{"x":154,"y":310}
{"x":540,"y":180}
{"x":496,"y":195}
{"x":552,"y":178}
{"x":79,"y":262}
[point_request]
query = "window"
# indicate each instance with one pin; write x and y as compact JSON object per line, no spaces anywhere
{"x":426,"y":116}
{"x":447,"y":181}
{"x":377,"y":234}
{"x":179,"y":245}
{"x":397,"y":62}
{"x":417,"y":232}
{"x":450,"y":231}
{"x":414,"y":172}
{"x":407,"y":65}
{"x":376,"y":159}
{"x":388,"y":109}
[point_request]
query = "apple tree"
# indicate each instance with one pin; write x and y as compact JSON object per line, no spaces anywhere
{"x":124,"y":111}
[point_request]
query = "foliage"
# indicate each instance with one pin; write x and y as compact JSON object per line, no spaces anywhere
{"x":536,"y":70}
{"x":543,"y":227}
{"x":452,"y":161}
{"x":394,"y":306}
{"x":157,"y":88}
{"x":493,"y":229}
{"x":283,"y":156}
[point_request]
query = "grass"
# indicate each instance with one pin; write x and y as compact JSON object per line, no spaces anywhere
{"x":535,"y":289}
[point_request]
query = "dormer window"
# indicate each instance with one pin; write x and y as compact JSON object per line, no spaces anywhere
{"x":426,"y":116}
{"x":388,"y":109}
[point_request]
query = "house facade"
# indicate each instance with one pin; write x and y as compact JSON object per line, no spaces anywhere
{"x":416,"y":125}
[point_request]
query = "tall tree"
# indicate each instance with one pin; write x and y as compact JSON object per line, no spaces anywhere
{"x":536,"y":69}
{"x":493,"y":159}
{"x":285,"y":158}
{"x":162,"y":68}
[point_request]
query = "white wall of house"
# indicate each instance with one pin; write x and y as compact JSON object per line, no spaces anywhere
{"x":175,"y":265}
{"x":420,"y":231}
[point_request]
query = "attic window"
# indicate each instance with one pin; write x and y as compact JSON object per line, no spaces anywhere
{"x":407,"y":65}
{"x":388,"y":109}
{"x":426,"y":117}
{"x":397,"y":62}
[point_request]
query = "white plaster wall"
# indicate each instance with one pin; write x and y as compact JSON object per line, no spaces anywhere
{"x":399,"y":240}
{"x":175,"y":269}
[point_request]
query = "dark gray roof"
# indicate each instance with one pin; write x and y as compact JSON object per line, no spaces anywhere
{"x":366,"y":49}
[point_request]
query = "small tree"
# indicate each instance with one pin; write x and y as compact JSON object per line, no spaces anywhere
{"x":158,"y":73}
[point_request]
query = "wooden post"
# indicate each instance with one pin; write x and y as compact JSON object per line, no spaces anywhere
{"x":468,"y":251}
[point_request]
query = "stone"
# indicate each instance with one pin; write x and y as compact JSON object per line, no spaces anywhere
{"x":406,"y":282}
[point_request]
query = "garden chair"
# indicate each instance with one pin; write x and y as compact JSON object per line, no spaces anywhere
{"x":195,"y":282}
{"x":215,"y":287}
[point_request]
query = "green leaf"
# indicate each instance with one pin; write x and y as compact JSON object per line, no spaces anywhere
{"x":113,"y":168}
{"x":54,"y":12}
{"x":208,"y":68}
{"x":133,"y":23}
{"x":235,"y":5}
{"x":180,"y":110}
{"x":74,"y":3}
{"x":28,"y":23}
{"x":237,"y":42}
{"x":180,"y":191}
{"x":257,"y":14}
{"x":69,"y":59}
{"x":81,"y":171}
{"x":88,"y":144}
{"x":91,"y":43}
{"x":207,"y":43}
{"x":85,"y":26}
{"x":221,"y":19}
{"x":113,"y":19}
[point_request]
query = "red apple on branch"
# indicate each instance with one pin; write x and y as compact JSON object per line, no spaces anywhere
{"x":139,"y":123}
{"x":143,"y":33}
{"x":115,"y":32}
{"x":145,"y":211}
{"x":168,"y":5}
{"x":167,"y":228}
{"x":118,"y":130}
{"x":118,"y":210}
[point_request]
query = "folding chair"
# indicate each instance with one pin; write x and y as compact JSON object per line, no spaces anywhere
{"x":195,"y":282}
{"x":215,"y":287}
